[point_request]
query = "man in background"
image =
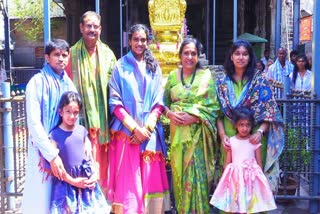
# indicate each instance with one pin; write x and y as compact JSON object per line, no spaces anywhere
{"x":266,"y":57}
{"x":3,"y":73}
{"x":281,"y":68}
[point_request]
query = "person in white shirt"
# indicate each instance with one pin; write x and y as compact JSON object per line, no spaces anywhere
{"x":43,"y":94}
{"x":3,"y":76}
{"x":3,"y":73}
{"x":281,"y":68}
{"x":266,"y":57}
{"x":300,"y":78}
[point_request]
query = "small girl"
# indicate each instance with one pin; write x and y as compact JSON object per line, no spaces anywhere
{"x":243,"y":188}
{"x":78,"y":191}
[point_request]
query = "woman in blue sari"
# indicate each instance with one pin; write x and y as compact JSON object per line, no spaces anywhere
{"x":243,"y":85}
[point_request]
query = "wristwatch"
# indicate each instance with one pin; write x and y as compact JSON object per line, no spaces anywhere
{"x":261,"y":131}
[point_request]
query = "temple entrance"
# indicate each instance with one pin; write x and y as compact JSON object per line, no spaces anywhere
{"x":199,"y":19}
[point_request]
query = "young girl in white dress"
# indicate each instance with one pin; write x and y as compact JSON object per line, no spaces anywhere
{"x":243,"y":188}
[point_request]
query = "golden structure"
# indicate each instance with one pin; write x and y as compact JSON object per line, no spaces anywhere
{"x":166,"y":20}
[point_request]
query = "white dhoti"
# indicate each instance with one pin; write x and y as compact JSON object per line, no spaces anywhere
{"x":37,"y":189}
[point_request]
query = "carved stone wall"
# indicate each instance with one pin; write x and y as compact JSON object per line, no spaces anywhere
{"x":254,"y":17}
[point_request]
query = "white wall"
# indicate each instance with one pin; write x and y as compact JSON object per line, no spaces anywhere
{"x":307,"y":5}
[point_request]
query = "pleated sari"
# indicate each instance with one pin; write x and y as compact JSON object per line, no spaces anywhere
{"x":193,"y":150}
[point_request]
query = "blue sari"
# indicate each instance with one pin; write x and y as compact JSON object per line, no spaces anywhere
{"x":257,"y":95}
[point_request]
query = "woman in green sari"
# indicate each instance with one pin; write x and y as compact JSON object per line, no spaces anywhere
{"x":243,"y":85}
{"x":192,"y":108}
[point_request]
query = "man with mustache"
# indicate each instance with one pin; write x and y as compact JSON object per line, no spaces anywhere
{"x":90,"y":66}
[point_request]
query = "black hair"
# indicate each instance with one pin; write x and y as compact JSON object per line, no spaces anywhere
{"x":89,"y":13}
{"x":198,"y":45}
{"x":296,"y":69}
{"x":243,"y":113}
{"x":66,"y":99}
{"x":294,"y":52}
{"x":151,"y":62}
{"x":251,"y":68}
{"x":56,"y":44}
{"x":262,"y":64}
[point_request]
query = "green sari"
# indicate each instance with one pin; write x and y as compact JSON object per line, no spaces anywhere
{"x":193,"y":147}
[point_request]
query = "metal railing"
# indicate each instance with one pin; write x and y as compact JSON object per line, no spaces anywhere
{"x":13,"y":145}
{"x":297,"y":159}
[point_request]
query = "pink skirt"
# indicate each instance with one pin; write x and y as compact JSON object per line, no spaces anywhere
{"x":137,"y":182}
{"x":243,"y":188}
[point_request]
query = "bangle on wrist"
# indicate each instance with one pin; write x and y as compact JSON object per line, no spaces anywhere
{"x":133,"y":130}
{"x":261,"y":131}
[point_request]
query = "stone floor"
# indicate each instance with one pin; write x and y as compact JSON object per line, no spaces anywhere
{"x":289,"y":207}
{"x":300,"y":207}
{"x":293,"y":207}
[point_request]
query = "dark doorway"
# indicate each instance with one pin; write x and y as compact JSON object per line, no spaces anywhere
{"x":199,"y":18}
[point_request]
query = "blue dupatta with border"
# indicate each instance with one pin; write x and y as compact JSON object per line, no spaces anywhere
{"x":138,"y":91}
{"x":258,"y":96}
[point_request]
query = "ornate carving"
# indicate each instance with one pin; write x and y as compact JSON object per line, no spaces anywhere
{"x":166,"y":14}
{"x":166,"y":19}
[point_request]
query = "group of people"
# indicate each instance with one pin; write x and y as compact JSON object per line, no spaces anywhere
{"x":115,"y":161}
{"x":297,"y":70}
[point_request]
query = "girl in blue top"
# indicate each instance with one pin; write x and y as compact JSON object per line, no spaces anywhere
{"x":78,"y":191}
